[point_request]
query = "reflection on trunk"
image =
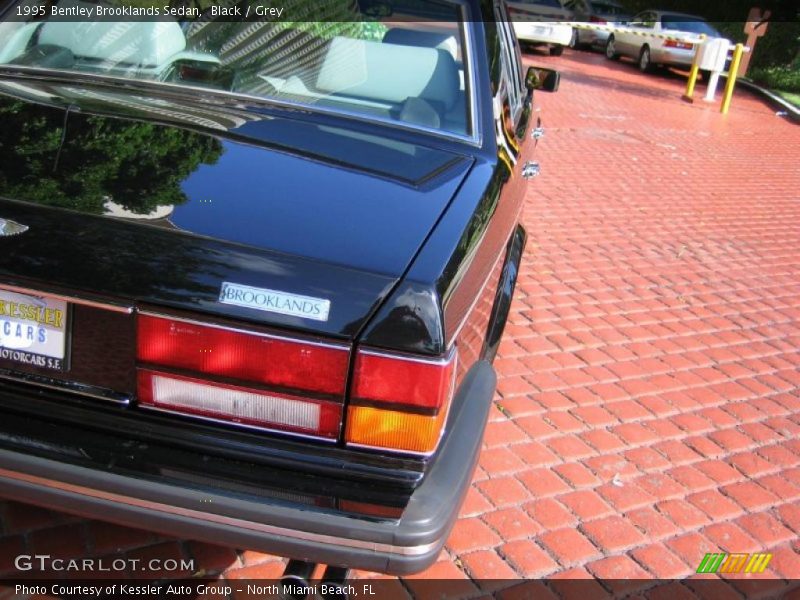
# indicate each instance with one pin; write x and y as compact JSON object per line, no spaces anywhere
{"x":136,"y":166}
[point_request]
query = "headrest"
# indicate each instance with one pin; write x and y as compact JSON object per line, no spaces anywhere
{"x":423,"y":39}
{"x":136,"y":43}
{"x":389,"y":72}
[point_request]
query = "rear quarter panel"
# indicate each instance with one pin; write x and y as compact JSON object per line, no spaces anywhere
{"x":448,"y":294}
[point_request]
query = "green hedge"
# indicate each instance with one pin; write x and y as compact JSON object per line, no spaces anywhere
{"x":777,"y":78}
{"x":779,"y":47}
{"x":776,"y":59}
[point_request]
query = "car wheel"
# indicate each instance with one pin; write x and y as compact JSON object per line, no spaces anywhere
{"x":645,"y":65}
{"x":556,"y":50}
{"x":611,"y":48}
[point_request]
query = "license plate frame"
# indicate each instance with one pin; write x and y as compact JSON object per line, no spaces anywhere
{"x":35,"y":331}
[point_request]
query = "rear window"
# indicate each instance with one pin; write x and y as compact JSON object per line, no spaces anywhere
{"x":403,"y":66}
{"x":547,"y":3}
{"x":606,"y":9}
{"x":698,"y":26}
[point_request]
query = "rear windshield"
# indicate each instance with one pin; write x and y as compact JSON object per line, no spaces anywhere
{"x":688,"y":24}
{"x":388,"y":65}
{"x":547,"y":3}
{"x":607,"y":9}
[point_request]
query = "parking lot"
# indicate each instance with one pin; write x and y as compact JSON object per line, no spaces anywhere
{"x":648,"y":406}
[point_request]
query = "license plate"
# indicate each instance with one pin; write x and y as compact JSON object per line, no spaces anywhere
{"x":33,"y":330}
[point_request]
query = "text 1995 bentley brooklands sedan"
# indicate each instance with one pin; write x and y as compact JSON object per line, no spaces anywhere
{"x":253,"y":274}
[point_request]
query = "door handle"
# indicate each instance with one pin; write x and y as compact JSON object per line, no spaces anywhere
{"x":531,"y":169}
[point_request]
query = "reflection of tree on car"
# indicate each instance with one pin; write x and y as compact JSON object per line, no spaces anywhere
{"x":138,"y":166}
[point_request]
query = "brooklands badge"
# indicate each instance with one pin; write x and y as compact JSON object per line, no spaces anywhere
{"x":275,"y":301}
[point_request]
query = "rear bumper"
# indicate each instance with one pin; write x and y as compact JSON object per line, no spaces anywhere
{"x":404,"y":545}
{"x":543,"y":32}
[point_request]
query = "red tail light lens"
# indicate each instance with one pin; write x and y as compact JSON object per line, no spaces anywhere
{"x":677,"y":44}
{"x":270,"y":382}
{"x":242,"y":355}
{"x":403,"y":381}
{"x":594,"y":19}
{"x":399,"y":403}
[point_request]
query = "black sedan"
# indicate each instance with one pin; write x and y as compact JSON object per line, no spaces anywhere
{"x":254,"y":273}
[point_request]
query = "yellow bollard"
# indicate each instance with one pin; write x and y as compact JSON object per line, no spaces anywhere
{"x":694,"y":72}
{"x":726,"y":97}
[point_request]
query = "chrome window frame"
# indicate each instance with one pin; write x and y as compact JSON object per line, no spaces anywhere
{"x":511,"y":63}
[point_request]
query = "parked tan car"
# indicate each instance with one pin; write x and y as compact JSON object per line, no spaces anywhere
{"x":657,"y":38}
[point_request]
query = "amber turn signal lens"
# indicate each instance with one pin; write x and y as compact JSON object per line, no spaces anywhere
{"x":395,"y":430}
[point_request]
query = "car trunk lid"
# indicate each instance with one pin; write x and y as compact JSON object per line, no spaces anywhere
{"x":153,"y":212}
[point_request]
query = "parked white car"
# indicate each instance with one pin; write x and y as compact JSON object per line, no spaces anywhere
{"x":658,"y":38}
{"x":541,"y":23}
{"x":595,"y":17}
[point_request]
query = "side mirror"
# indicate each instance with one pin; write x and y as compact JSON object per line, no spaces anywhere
{"x":546,"y":80}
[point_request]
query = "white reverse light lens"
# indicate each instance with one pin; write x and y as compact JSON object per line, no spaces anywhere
{"x":233,"y":404}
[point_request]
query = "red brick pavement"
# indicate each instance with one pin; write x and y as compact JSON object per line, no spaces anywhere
{"x":648,"y":408}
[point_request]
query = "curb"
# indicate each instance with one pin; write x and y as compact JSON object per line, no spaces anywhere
{"x":792,"y":112}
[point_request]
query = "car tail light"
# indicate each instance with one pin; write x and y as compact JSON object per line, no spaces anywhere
{"x":271,"y":410}
{"x":399,"y":403}
{"x":594,"y":19}
{"x":242,"y":355}
{"x":269,"y":382}
{"x":677,"y":44}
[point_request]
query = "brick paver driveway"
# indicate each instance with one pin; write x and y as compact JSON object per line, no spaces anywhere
{"x":648,"y":408}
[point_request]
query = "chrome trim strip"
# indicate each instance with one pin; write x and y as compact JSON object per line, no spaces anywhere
{"x":443,"y":360}
{"x":305,"y":536}
{"x":66,"y":386}
{"x":71,"y":299}
{"x":470,"y":81}
{"x":272,"y":336}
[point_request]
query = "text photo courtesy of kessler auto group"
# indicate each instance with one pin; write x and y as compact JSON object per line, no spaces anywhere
{"x":399,"y":299}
